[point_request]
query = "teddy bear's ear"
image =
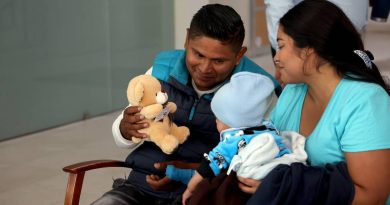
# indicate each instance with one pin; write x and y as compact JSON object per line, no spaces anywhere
{"x":135,"y":93}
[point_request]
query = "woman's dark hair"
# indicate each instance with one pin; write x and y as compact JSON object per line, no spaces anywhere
{"x":219,"y":22}
{"x":321,"y":25}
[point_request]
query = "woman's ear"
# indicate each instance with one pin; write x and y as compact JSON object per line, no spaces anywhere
{"x":304,"y":53}
{"x":311,"y":58}
{"x":309,"y":51}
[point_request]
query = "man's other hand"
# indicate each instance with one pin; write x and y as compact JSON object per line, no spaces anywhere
{"x":132,"y":122}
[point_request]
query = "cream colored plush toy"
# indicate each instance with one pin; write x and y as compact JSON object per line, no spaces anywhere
{"x":145,"y":91}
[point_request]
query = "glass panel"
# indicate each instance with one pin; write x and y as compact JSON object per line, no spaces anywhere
{"x":62,"y":61}
{"x":140,"y":29}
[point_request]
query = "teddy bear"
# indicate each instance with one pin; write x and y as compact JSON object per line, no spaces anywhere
{"x":146,"y":91}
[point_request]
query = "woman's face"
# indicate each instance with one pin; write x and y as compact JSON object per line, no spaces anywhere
{"x":289,"y":59}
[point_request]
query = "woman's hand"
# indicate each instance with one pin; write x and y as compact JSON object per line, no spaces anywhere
{"x":186,"y":195}
{"x":192,"y":184}
{"x":131,"y":123}
{"x":248,"y":185}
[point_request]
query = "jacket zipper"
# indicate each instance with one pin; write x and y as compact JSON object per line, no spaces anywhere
{"x":192,"y":113}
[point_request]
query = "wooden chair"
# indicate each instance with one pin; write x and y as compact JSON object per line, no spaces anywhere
{"x":77,"y":172}
{"x":76,"y":177}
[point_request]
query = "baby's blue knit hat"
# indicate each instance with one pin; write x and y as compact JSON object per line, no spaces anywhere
{"x":243,"y":101}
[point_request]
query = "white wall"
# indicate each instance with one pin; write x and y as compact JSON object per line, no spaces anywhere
{"x":185,"y":9}
{"x":243,"y":8}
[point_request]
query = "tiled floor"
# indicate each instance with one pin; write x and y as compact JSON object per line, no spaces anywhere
{"x":31,"y":165}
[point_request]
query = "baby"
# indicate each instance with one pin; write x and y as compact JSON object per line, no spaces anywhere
{"x":250,"y":145}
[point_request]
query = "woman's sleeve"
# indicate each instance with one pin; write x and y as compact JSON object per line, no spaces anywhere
{"x":367,"y":122}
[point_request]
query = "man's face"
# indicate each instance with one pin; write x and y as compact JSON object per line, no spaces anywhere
{"x":209,"y":61}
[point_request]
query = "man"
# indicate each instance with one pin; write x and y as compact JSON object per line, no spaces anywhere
{"x":213,"y":52}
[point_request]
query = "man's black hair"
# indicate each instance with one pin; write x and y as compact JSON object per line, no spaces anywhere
{"x":219,"y":22}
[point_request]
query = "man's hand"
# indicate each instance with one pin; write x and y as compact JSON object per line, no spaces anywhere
{"x":131,"y":123}
{"x":158,"y":183}
{"x":176,"y":163}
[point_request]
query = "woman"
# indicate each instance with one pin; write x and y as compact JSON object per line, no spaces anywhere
{"x":335,"y":97}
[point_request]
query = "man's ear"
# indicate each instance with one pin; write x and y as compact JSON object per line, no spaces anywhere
{"x":186,"y":41}
{"x":240,"y":54}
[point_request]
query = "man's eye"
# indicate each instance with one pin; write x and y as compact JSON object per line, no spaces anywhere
{"x":218,"y":61}
{"x":198,"y":55}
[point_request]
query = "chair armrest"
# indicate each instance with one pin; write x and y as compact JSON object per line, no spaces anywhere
{"x":76,"y":177}
{"x":93,"y":164}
